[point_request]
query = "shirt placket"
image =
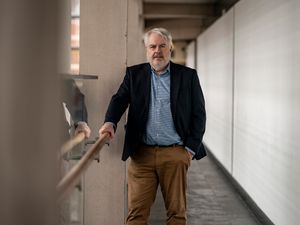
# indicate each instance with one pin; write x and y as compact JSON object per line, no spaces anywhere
{"x":157,"y":108}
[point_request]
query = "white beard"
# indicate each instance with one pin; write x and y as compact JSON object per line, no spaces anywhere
{"x":159,"y":65}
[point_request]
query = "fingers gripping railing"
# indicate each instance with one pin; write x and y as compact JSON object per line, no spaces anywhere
{"x":73,"y":176}
{"x":67,"y":146}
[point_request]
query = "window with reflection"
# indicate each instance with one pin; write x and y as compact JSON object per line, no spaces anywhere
{"x":75,"y":36}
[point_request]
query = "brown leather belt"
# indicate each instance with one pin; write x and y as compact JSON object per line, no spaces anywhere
{"x":162,"y":146}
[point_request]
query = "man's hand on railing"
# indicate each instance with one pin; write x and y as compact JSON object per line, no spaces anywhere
{"x":107,"y":127}
{"x":83,"y":127}
{"x":82,"y":132}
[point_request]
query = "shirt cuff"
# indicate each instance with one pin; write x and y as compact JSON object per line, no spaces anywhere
{"x":190,"y":150}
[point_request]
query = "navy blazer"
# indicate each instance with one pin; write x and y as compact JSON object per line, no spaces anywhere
{"x":187,"y":107}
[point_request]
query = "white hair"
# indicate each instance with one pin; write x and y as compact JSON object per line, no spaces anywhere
{"x":162,"y":32}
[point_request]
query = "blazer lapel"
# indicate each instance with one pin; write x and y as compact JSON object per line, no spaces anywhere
{"x":175,"y":85}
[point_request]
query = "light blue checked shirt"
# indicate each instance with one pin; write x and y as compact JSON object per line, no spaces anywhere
{"x":160,"y":128}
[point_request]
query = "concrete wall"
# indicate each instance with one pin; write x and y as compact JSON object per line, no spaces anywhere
{"x":135,"y":31}
{"x":258,"y":78}
{"x":110,"y":39}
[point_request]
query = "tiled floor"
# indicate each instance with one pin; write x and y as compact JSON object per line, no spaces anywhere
{"x":211,"y":199}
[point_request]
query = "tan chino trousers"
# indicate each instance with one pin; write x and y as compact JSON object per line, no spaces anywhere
{"x":149,"y":167}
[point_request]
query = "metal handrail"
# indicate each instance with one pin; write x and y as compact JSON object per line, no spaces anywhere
{"x":72,"y":177}
{"x":70,"y":144}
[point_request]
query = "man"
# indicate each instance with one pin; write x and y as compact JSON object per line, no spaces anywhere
{"x":166,"y":123}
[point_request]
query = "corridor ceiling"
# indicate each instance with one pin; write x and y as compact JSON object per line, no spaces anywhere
{"x":185,"y":19}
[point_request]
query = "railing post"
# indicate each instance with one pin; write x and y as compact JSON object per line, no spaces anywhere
{"x":73,"y":176}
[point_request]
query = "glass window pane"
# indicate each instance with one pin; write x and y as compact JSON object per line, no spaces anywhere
{"x":75,"y":8}
{"x":75,"y":29}
{"x":75,"y":61}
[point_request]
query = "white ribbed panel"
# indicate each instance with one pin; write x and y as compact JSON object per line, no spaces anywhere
{"x":266,"y":122}
{"x":214,"y":66}
{"x":267,"y":109}
{"x":190,"y":55}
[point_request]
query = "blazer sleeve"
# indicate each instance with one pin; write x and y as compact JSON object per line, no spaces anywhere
{"x":119,"y":101}
{"x":198,"y":119}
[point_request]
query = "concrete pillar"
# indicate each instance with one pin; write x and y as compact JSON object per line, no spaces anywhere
{"x":135,"y":44}
{"x":103,"y":53}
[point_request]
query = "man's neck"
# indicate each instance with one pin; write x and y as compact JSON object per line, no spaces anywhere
{"x":161,"y":71}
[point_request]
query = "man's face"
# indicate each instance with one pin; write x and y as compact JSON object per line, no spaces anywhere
{"x":158,"y":52}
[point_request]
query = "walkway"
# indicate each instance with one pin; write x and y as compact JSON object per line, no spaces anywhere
{"x":211,"y":199}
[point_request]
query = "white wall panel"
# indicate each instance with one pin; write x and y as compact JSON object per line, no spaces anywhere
{"x":214,"y":66}
{"x":267,"y":107}
{"x":190,"y":55}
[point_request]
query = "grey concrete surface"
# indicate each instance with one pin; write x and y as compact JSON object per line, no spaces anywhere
{"x":211,"y":199}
